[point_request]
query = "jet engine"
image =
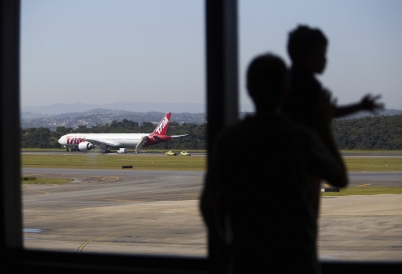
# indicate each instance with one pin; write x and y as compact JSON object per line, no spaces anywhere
{"x":84,"y":146}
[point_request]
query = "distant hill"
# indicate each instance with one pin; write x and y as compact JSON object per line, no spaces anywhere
{"x":60,"y":108}
{"x":103,"y":116}
{"x":93,"y":111}
{"x":121,"y":106}
{"x":30,"y":115}
{"x":80,"y":109}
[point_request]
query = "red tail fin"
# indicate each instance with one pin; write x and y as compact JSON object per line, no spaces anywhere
{"x":162,"y":127}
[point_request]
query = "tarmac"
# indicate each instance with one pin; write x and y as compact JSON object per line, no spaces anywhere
{"x":139,"y":212}
{"x":361,"y":227}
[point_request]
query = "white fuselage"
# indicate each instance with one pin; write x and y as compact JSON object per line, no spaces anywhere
{"x":86,"y":141}
{"x":110,"y":139}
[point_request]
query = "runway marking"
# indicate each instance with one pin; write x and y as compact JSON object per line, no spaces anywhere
{"x":146,"y":198}
{"x":105,"y":179}
{"x":104,"y":236}
{"x":121,"y":232}
{"x":364,"y":185}
{"x":33,"y":174}
{"x":110,"y":179}
{"x":122,"y":200}
{"x":45,"y":193}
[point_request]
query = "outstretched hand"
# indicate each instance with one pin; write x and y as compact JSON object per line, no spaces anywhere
{"x":370,"y":103}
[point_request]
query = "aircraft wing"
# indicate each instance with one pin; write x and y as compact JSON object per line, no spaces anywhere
{"x":102,"y":144}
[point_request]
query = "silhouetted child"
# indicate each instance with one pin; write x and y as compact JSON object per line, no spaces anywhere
{"x":256,"y":203}
{"x":307,"y":50}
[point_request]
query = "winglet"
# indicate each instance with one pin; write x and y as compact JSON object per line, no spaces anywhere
{"x":161,"y":128}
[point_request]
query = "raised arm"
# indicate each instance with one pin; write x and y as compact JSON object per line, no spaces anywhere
{"x":368,"y":102}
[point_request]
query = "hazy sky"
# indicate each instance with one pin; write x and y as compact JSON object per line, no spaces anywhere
{"x":101,"y":51}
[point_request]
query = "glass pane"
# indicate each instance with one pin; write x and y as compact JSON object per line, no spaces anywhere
{"x":363,"y":56}
{"x":113,"y":67}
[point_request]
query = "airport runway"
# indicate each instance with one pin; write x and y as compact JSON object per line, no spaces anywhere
{"x":125,"y":211}
{"x":375,"y":179}
{"x":156,"y":212}
{"x":383,"y":179}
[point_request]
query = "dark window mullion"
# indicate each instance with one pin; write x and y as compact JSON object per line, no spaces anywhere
{"x":10,"y":190}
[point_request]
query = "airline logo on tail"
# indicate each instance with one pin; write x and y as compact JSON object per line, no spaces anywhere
{"x":161,"y":129}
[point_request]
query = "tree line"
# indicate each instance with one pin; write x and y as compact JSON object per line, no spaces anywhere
{"x":368,"y":133}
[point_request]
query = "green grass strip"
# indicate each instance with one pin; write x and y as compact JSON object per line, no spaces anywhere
{"x":373,"y":164}
{"x":371,"y":151}
{"x":364,"y":191}
{"x":147,"y":162}
{"x":114,"y":161}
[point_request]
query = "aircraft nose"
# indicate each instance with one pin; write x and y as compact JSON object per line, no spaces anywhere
{"x":62,"y":139}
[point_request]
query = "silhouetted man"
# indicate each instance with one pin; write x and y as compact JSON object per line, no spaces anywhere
{"x":256,"y":202}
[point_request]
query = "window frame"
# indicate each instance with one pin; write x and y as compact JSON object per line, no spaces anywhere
{"x":222,"y":105}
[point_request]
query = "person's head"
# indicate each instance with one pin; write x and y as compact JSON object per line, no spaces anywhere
{"x":266,"y":81}
{"x":308,"y":46}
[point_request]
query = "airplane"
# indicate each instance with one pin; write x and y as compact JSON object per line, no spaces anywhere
{"x":87,"y":141}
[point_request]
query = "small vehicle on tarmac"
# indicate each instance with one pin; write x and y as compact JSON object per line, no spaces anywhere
{"x":171,"y":153}
{"x":185,"y":153}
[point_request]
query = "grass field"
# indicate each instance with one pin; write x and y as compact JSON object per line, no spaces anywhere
{"x":374,"y":164}
{"x":114,"y":161}
{"x":364,"y":191}
{"x":147,"y":162}
{"x":372,"y":151}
